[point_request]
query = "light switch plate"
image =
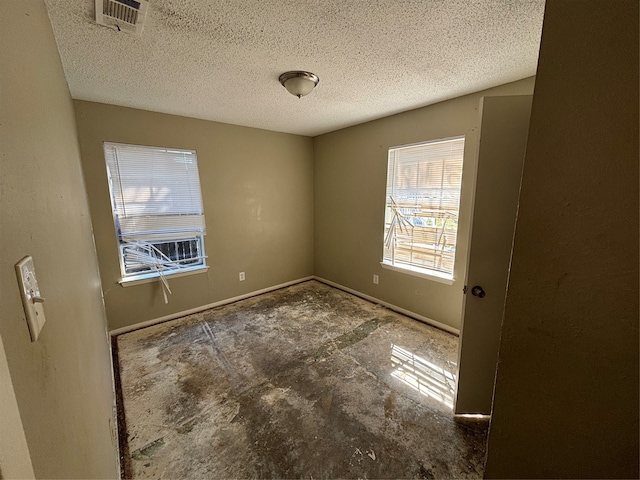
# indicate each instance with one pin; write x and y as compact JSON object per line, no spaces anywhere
{"x":32,"y":300}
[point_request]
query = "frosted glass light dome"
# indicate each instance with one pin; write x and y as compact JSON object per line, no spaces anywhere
{"x":299,"y":83}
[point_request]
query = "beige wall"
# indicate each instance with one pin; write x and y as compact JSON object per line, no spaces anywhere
{"x":62,"y":383}
{"x":566,"y":397}
{"x":15,"y":461}
{"x":257,"y":192}
{"x":350,"y":170}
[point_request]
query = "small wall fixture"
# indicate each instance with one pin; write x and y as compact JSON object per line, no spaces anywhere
{"x":299,"y":83}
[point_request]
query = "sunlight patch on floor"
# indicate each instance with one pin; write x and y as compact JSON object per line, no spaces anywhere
{"x":423,"y":376}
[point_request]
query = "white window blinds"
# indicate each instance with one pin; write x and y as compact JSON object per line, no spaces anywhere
{"x":155,"y":193}
{"x":423,"y":198}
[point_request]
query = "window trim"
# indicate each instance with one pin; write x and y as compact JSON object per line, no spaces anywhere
{"x":135,"y":278}
{"x":419,"y":272}
{"x":414,"y":270}
{"x":147,"y":277}
{"x":155,"y":277}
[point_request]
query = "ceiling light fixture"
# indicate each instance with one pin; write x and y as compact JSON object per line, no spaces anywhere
{"x":299,"y":83}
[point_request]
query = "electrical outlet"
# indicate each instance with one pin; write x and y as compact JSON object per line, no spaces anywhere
{"x":376,"y":279}
{"x":241,"y":276}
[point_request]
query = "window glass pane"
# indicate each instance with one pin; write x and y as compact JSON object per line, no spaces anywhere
{"x":157,"y":207}
{"x":422,"y":203}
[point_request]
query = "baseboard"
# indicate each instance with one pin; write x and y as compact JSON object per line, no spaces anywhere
{"x":395,"y":308}
{"x":114,"y":422}
{"x":390,"y":306}
{"x":173,"y":316}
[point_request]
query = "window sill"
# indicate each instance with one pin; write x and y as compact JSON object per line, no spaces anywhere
{"x":422,"y":273}
{"x":154,"y":277}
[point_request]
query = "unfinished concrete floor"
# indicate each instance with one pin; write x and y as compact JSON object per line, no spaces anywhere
{"x":303,"y":382}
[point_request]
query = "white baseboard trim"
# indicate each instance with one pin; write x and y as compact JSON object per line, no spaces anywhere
{"x":390,"y":306}
{"x":173,"y":316}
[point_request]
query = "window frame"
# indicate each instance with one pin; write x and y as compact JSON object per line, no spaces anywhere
{"x":413,"y":268}
{"x":147,"y":276}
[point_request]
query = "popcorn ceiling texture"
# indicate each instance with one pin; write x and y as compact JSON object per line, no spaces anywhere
{"x":220,"y":60}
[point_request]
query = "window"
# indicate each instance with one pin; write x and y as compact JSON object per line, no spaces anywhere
{"x":157,"y":210}
{"x":421,"y":214}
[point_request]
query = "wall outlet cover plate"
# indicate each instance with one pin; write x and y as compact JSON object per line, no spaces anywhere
{"x":31,"y":298}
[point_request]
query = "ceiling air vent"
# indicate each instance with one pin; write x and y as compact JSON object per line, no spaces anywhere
{"x":122,"y":15}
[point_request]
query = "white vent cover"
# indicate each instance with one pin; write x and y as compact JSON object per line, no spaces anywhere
{"x":122,"y":15}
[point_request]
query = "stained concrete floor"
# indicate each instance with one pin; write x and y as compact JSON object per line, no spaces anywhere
{"x":303,"y":382}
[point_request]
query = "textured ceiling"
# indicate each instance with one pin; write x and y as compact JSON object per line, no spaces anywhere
{"x":220,"y":60}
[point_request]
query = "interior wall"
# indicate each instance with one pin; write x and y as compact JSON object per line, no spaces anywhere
{"x":15,"y":461}
{"x":566,"y":395}
{"x":62,"y":382}
{"x":350,"y":172}
{"x":258,"y":202}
